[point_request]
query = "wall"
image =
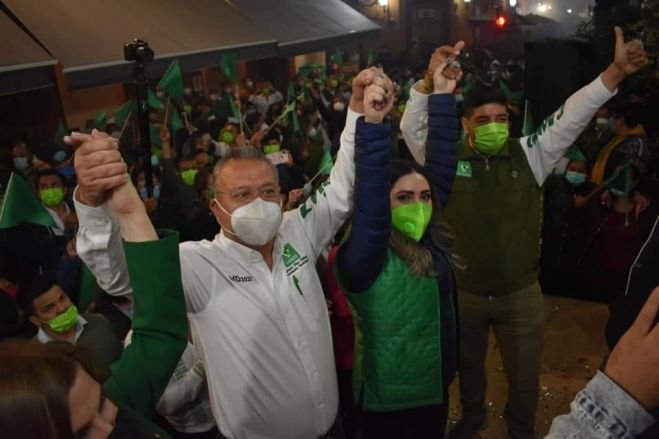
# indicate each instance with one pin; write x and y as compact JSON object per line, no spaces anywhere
{"x":84,"y":104}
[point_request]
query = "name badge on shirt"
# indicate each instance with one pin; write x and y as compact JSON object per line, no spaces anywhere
{"x":464,"y":169}
{"x":292,"y":259}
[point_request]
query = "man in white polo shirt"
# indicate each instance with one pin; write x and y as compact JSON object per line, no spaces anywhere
{"x":255,"y":303}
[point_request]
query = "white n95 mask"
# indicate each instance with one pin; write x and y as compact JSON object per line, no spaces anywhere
{"x":255,"y":223}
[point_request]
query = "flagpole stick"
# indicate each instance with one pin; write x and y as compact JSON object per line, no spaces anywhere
{"x":123,"y":128}
{"x":279,"y":119}
{"x":320,"y":171}
{"x":236,"y":95}
{"x":167,"y":109}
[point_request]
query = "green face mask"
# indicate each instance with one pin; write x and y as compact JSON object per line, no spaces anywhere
{"x":334,"y":83}
{"x":411,"y":219}
{"x":271,"y":149}
{"x":228,"y":137}
{"x":491,"y":138}
{"x":188,"y":176}
{"x":64,"y":321}
{"x":52,"y":196}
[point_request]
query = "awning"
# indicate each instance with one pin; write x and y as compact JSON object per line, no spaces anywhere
{"x":88,"y":37}
{"x":24,"y":65}
{"x":302,"y":26}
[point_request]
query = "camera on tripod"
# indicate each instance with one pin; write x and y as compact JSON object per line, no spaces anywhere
{"x":138,"y":51}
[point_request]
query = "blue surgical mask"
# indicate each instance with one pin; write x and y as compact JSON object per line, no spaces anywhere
{"x":575,"y":178}
{"x":459,"y":98}
{"x":21,"y":163}
{"x":59,"y":156}
{"x":156,"y":192}
{"x":154,"y":160}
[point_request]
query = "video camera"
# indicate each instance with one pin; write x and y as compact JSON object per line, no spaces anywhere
{"x":138,"y":51}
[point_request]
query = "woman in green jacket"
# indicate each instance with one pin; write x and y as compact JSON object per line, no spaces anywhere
{"x":50,"y":391}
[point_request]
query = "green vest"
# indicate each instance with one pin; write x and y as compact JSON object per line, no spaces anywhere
{"x":495,"y":209}
{"x":398,"y":362}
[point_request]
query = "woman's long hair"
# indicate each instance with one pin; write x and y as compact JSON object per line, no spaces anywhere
{"x":414,"y":255}
{"x":35,"y":380}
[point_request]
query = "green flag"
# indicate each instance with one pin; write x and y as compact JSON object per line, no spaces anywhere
{"x":101,"y":120}
{"x":229,"y":67}
{"x":232,"y":106}
{"x":370,"y":57}
{"x":155,"y":135}
{"x":59,"y":135}
{"x":20,"y":205}
{"x":527,"y":127}
{"x":326,"y":163}
{"x":124,"y":111}
{"x":176,"y":123}
{"x":295,"y":122}
{"x":154,"y":102}
{"x":291,"y":92}
{"x":505,"y":89}
{"x":172,"y":82}
{"x":337,"y":57}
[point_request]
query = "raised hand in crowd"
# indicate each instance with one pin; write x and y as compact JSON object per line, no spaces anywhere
{"x":378,"y":98}
{"x":444,"y":82}
{"x":359,"y":83}
{"x":241,"y":140}
{"x":294,"y":197}
{"x":99,"y":166}
{"x":257,"y":138}
{"x":629,"y":58}
{"x":439,"y":56}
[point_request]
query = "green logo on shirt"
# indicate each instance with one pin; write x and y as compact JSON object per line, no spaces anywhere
{"x":464,"y":169}
{"x":290,"y":255}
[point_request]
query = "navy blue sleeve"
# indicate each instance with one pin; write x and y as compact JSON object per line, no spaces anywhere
{"x":362,"y":257}
{"x":442,"y":151}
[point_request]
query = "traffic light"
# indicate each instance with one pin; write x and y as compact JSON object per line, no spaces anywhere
{"x":501,"y":20}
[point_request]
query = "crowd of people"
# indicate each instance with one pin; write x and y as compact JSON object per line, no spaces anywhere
{"x":324,"y":260}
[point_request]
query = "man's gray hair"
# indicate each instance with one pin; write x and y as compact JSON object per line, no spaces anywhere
{"x":244,"y":153}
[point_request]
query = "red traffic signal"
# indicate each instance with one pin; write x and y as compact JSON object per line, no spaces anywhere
{"x":501,"y":20}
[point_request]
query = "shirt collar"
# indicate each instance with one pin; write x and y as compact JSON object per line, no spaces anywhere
{"x":43,"y":337}
{"x":243,"y":252}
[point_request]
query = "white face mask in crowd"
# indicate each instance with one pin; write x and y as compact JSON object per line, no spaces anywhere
{"x":312,"y":132}
{"x":339,"y":106}
{"x":255,"y":223}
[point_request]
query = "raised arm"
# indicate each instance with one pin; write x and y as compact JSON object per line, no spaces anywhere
{"x":558,"y":132}
{"x":98,"y":240}
{"x":362,"y":257}
{"x":414,"y":124}
{"x":442,"y":151}
{"x":159,"y":324}
{"x":330,"y":205}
